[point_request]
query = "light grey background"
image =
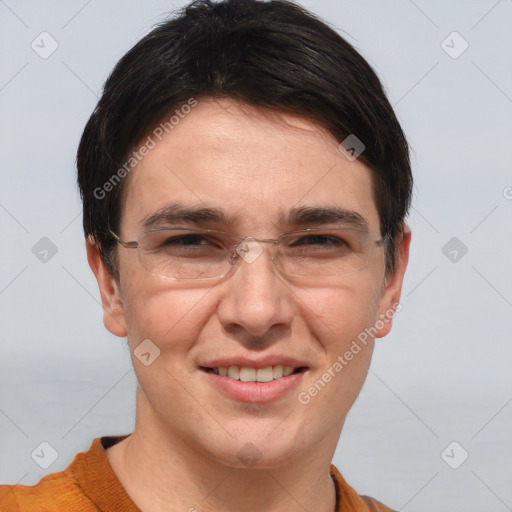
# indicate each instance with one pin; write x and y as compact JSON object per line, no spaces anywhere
{"x":442,"y":375}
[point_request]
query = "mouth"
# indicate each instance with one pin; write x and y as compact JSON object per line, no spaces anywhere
{"x":252,"y":385}
{"x":251,"y":374}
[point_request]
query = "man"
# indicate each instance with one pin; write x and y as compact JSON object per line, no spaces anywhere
{"x":245,"y":184}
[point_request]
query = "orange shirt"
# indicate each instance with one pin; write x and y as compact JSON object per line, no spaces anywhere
{"x":88,"y":484}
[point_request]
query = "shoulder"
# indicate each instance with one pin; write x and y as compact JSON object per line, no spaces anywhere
{"x":88,"y":484}
{"x":347,"y":499}
{"x":49,"y":494}
{"x":54,"y":492}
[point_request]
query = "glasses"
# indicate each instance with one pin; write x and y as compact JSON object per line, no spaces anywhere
{"x":183,"y":253}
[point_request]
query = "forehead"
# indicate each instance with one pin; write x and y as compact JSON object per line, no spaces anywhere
{"x":255,"y":165}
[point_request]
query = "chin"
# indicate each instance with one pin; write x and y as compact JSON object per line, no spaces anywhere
{"x":257,"y":448}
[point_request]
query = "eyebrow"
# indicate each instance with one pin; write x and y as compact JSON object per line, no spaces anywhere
{"x":321,"y":215}
{"x":176,"y":212}
{"x":298,"y":217}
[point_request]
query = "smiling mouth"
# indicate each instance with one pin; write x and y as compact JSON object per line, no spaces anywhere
{"x":248,"y":374}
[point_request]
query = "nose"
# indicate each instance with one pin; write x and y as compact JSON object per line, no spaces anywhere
{"x":255,"y":297}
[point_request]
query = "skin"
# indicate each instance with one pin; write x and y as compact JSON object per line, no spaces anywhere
{"x":182,"y":454}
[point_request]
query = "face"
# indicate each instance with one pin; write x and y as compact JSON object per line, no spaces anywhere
{"x":255,"y":167}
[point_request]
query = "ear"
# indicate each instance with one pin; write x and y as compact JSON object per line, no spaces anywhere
{"x":390,"y":298}
{"x":113,"y":312}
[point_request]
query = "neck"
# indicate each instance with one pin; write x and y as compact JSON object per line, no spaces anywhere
{"x":162,"y":470}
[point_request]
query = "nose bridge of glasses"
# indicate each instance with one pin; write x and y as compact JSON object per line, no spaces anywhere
{"x":268,"y":240}
{"x":249,"y":249}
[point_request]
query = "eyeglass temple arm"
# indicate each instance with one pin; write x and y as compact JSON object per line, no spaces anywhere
{"x":127,"y":245}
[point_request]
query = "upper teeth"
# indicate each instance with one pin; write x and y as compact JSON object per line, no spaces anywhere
{"x":247,"y":374}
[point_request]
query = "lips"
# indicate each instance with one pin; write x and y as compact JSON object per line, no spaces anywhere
{"x":248,"y":379}
{"x":254,"y":391}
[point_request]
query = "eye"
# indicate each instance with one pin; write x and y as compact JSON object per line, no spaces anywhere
{"x":179,"y":242}
{"x":320,"y":239}
{"x":192,"y":242}
{"x":192,"y":239}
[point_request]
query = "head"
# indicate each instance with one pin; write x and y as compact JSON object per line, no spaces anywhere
{"x":242,"y":106}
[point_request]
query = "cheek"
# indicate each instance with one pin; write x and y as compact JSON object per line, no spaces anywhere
{"x":337,"y":314}
{"x":336,"y":319}
{"x":169,"y":316}
{"x":173,"y":321}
